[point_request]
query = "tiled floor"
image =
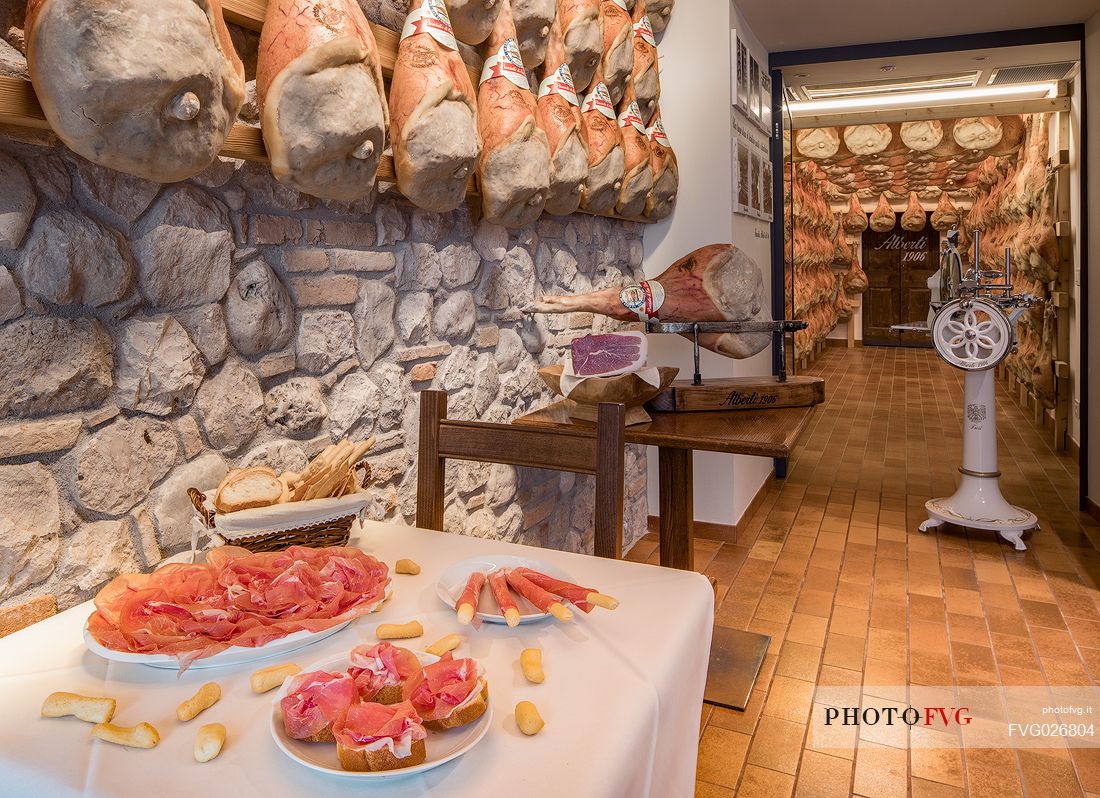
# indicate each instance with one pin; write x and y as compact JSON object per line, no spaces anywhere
{"x":832,"y":567}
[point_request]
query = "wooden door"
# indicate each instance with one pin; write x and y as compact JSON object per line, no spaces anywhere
{"x":898,"y":265}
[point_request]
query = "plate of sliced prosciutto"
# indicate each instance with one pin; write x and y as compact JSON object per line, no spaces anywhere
{"x":521,"y":590}
{"x":235,"y":607}
{"x":333,"y":720}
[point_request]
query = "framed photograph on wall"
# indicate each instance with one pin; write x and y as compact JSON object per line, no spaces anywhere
{"x":767,"y":207}
{"x":766,"y":101}
{"x":754,"y":89}
{"x":741,"y":58}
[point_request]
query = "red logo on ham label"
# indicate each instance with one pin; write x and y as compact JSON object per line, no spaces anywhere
{"x":643,"y":29}
{"x":506,"y":63}
{"x":632,"y":117}
{"x":432,"y":19}
{"x":644,"y":299}
{"x":599,"y":99}
{"x":656,"y":134}
{"x":560,"y":82}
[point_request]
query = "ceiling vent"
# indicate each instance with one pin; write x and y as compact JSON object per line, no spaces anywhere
{"x":958,"y":80}
{"x":1032,"y":73}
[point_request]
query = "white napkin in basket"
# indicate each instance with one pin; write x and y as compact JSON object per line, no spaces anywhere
{"x":570,"y":380}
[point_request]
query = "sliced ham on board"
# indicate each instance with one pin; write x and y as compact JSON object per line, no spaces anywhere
{"x":666,"y":172}
{"x":532,"y":20}
{"x":882,"y":217}
{"x":560,"y":118}
{"x":659,"y":13}
{"x":609,"y":354}
{"x":314,"y":701}
{"x":618,"y":47}
{"x":472,"y":20}
{"x":581,"y":23}
{"x":514,"y":168}
{"x":637,"y":173}
{"x":914,"y":218}
{"x":322,"y":101}
{"x":718,"y":282}
{"x":604,"y":139}
{"x":150,"y":89}
{"x":433,"y":111}
{"x":646,"y":74}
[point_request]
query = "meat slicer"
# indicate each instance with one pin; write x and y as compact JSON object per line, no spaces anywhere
{"x":973,"y":328}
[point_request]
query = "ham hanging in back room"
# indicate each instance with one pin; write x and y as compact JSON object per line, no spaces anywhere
{"x":718,"y":282}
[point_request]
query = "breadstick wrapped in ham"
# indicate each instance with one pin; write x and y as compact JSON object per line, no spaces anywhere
{"x":433,"y":111}
{"x":647,"y":79}
{"x":544,"y":601}
{"x":666,"y":172}
{"x":604,"y":139}
{"x":581,"y":23}
{"x":323,"y":104}
{"x":560,"y":118}
{"x":466,"y":606}
{"x":583,"y":598}
{"x":638,"y":176}
{"x":472,"y":20}
{"x":532,"y":20}
{"x":514,"y":169}
{"x":618,"y":47}
{"x":499,"y":584}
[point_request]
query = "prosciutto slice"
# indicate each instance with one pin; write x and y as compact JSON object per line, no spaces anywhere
{"x":150,"y":89}
{"x":372,"y":727}
{"x":532,"y":20}
{"x":381,"y":665}
{"x":609,"y":354}
{"x":638,"y":175}
{"x":666,"y":172}
{"x":646,"y":75}
{"x":507,"y":603}
{"x":322,"y":101}
{"x":581,"y":23}
{"x":472,"y":20}
{"x":606,"y":161}
{"x":542,"y":599}
{"x":466,"y":606}
{"x":718,"y":282}
{"x":618,"y":47}
{"x":433,"y":111}
{"x":314,"y":701}
{"x":560,"y":118}
{"x":438,"y":689}
{"x":514,"y":168}
{"x":575,"y":594}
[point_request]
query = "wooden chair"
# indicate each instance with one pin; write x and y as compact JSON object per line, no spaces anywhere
{"x":598,"y":451}
{"x":12,"y":619}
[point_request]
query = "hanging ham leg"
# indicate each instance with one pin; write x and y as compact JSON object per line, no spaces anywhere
{"x":319,"y":84}
{"x":946,"y":214}
{"x":532,"y":20}
{"x":647,"y":80}
{"x":514,"y":169}
{"x":666,"y":172}
{"x":659,"y":12}
{"x":150,"y":89}
{"x":433,"y":111}
{"x":581,"y":24}
{"x":472,"y":20}
{"x":560,"y":119}
{"x":913,"y":219}
{"x":618,"y":47}
{"x":638,"y":176}
{"x":882,"y":217}
{"x":718,"y":282}
{"x":605,"y":149}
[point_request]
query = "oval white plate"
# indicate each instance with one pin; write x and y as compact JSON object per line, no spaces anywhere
{"x":441,"y":747}
{"x":453,"y":581}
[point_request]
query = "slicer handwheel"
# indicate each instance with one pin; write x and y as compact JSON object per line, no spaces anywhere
{"x":972,"y":334}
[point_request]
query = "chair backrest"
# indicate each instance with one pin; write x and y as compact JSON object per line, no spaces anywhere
{"x":12,"y":619}
{"x":598,"y":451}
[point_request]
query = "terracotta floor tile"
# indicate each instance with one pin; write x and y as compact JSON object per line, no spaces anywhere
{"x":799,"y":661}
{"x":1040,"y":613}
{"x":888,"y":615}
{"x":763,"y":783}
{"x":721,"y":756}
{"x":832,"y":676}
{"x":807,"y":629}
{"x":852,"y":594}
{"x":881,"y":771}
{"x":815,"y":602}
{"x":992,"y":772}
{"x":1087,"y":763}
{"x":936,"y":757}
{"x":927,"y":608}
{"x":849,"y":621}
{"x":823,"y":776}
{"x":887,"y":644}
{"x":705,"y":790}
{"x":1084,"y":632}
{"x":967,"y":629}
{"x":932,"y":789}
{"x":843,"y":651}
{"x":777,"y":744}
{"x":1048,"y":774}
{"x":789,"y":699}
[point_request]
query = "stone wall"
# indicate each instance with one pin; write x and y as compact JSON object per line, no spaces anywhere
{"x":153,"y":337}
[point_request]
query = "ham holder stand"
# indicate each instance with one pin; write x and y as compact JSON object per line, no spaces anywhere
{"x":973,"y":328}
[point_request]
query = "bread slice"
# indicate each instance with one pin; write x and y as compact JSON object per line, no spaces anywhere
{"x":389,"y":695}
{"x":361,"y":761}
{"x":245,"y":488}
{"x":467,"y":714}
{"x":323,"y":736}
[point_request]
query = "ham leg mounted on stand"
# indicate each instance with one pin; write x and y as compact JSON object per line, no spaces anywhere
{"x":560,"y":119}
{"x":718,"y":282}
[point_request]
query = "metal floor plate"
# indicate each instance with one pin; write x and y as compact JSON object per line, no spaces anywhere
{"x":735,"y":660}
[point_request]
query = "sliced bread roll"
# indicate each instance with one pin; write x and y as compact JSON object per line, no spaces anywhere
{"x":245,"y":488}
{"x":384,"y":759}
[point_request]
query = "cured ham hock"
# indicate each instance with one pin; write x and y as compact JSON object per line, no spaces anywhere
{"x":560,"y":119}
{"x":718,"y":282}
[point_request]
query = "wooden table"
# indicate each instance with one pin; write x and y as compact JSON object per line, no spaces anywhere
{"x":761,"y":433}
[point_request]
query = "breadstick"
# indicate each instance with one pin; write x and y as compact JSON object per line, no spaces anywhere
{"x":141,"y":736}
{"x":528,"y":718}
{"x":442,"y":646}
{"x":269,"y":678}
{"x":92,"y":710}
{"x":205,"y":698}
{"x":399,"y":631}
{"x":209,"y":742}
{"x":531,"y":663}
{"x":407,"y":567}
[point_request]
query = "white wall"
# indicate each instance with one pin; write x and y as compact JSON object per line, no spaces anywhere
{"x":695,"y":104}
{"x":1092,"y":57}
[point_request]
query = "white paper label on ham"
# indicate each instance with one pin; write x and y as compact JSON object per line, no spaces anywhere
{"x":643,"y":29}
{"x":632,"y":117}
{"x":621,"y":4}
{"x":656,"y":134}
{"x":560,"y":82}
{"x":599,"y":99}
{"x":506,"y":62}
{"x":644,"y":299}
{"x":432,"y":19}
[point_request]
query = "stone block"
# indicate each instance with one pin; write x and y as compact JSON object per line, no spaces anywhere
{"x":305,"y":260}
{"x":265,"y":229}
{"x":159,"y":369}
{"x":275,"y":364}
{"x":356,"y":260}
{"x":423,"y":372}
{"x":409,"y":354}
{"x":38,"y":437}
{"x":190,"y":436}
{"x":259,"y":313}
{"x":488,"y":336}
{"x":325,"y":338}
{"x":347,"y":234}
{"x":230,"y":406}
{"x":30,"y":523}
{"x":337,"y":289}
{"x":296,"y":406}
{"x":115,"y":468}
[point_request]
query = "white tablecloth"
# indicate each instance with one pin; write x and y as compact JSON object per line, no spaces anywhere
{"x":621,"y":700}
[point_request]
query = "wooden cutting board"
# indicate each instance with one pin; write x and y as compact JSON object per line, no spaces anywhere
{"x":740,"y":393}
